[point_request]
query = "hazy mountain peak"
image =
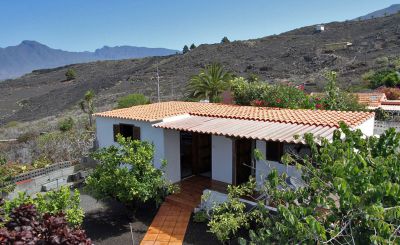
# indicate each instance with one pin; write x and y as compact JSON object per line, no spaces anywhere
{"x":32,"y":55}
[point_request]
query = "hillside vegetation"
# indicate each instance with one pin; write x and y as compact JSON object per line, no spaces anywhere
{"x":300,"y":55}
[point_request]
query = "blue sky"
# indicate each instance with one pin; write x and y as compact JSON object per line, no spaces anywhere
{"x":78,"y":25}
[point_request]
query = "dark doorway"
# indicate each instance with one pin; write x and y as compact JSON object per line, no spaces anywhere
{"x":195,"y":154}
{"x":243,"y":160}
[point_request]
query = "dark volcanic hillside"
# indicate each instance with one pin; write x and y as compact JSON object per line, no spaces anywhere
{"x":300,"y":55}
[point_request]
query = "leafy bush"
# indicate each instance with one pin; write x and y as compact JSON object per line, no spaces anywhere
{"x":282,"y":96}
{"x":380,"y":78}
{"x":70,"y":74}
{"x":3,"y":159}
{"x":41,"y":162}
{"x":127,"y":174}
{"x":391,"y":80}
{"x":25,"y":225}
{"x":52,"y":202}
{"x":383,"y":61}
{"x":244,"y":92}
{"x":200,"y":217}
{"x":132,"y":100}
{"x":66,"y":124}
{"x":27,"y":136}
{"x":351,"y":195}
{"x":11,"y":124}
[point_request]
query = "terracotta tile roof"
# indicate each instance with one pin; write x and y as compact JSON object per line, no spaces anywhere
{"x":371,"y":99}
{"x":159,"y":111}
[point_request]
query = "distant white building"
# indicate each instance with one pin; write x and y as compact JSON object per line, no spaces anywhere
{"x":319,"y":28}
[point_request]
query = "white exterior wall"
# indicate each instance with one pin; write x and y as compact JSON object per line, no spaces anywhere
{"x":263,"y":168}
{"x":172,"y":155}
{"x":367,"y":127}
{"x":105,"y":135}
{"x":221,"y":159}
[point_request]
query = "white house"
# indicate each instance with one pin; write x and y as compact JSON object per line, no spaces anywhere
{"x":217,"y":140}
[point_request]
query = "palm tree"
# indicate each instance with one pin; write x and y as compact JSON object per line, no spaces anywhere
{"x":87,"y":105}
{"x":209,"y":83}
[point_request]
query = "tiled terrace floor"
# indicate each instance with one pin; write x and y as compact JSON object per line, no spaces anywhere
{"x":169,"y":225}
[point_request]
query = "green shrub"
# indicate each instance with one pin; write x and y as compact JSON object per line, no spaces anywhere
{"x":25,"y":137}
{"x":132,"y":100}
{"x":41,"y":162}
{"x":391,"y":80}
{"x":383,"y":61}
{"x":53,"y":202}
{"x":378,"y":78}
{"x":66,"y":124}
{"x":70,"y":74}
{"x":127,"y":173}
{"x":11,"y":124}
{"x":3,"y":159}
{"x":200,"y":217}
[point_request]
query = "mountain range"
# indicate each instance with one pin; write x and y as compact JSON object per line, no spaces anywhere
{"x":393,"y":9}
{"x":31,"y":55}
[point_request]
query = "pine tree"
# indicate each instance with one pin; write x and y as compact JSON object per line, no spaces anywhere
{"x":192,"y":46}
{"x":225,"y":40}
{"x":185,"y":49}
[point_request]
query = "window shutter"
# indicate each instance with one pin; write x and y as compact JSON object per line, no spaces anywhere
{"x":136,"y":133}
{"x":116,"y":131}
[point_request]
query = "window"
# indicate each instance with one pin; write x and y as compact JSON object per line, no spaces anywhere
{"x":126,"y":130}
{"x":274,"y":151}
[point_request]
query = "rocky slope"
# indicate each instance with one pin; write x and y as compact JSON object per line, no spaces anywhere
{"x":300,"y":55}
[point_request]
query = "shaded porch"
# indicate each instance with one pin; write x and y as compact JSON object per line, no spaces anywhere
{"x":191,"y":190}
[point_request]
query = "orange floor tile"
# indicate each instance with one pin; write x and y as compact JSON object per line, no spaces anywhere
{"x":171,"y":221}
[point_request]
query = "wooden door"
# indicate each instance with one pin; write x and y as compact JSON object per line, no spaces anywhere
{"x":243,"y":160}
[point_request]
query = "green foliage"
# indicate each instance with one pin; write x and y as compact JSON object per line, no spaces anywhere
{"x":381,"y":114}
{"x":262,"y":94}
{"x":132,"y":100}
{"x":253,"y":78}
{"x":200,"y":217}
{"x":5,"y":176}
{"x":225,"y":40}
{"x":192,"y":46}
{"x":66,"y":124}
{"x":387,"y":77}
{"x":244,"y":92}
{"x":127,"y":174}
{"x":293,"y":97}
{"x":209,"y":83}
{"x":391,"y":80}
{"x":11,"y":124}
{"x":351,"y":195}
{"x":70,"y":74}
{"x":53,"y":202}
{"x":229,"y":217}
{"x":41,"y":162}
{"x":336,"y":99}
{"x":185,"y":49}
{"x":3,"y":159}
{"x":87,"y":105}
{"x":383,"y":61}
{"x":27,"y":136}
